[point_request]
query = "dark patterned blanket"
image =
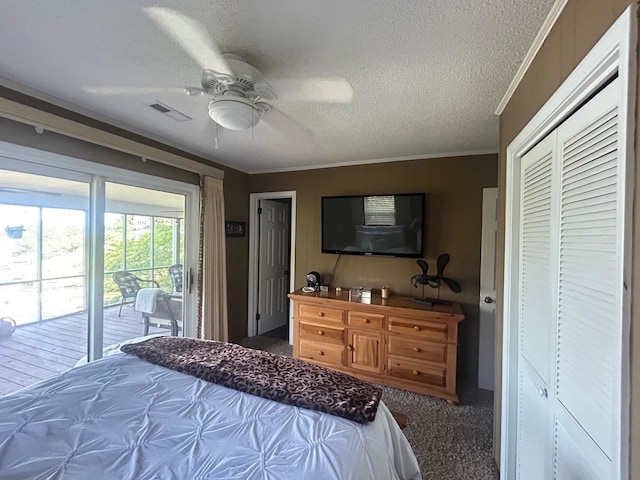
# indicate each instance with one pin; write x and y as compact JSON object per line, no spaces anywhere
{"x":275,"y":377}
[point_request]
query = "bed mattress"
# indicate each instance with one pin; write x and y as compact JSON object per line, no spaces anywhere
{"x":123,"y":418}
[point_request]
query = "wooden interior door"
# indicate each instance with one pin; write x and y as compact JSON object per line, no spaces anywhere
{"x":486,"y":342}
{"x":273,"y":274}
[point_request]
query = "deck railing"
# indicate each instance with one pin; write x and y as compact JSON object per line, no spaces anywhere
{"x":34,"y":300}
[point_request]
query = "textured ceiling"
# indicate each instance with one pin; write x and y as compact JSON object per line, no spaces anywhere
{"x":424,"y":77}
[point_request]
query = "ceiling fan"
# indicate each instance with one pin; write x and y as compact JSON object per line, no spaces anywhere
{"x":240,"y":95}
{"x":238,"y":99}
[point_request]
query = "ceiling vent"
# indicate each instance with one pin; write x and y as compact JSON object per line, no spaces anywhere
{"x":169,"y":112}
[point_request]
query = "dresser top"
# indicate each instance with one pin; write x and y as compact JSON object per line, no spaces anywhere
{"x":394,"y":301}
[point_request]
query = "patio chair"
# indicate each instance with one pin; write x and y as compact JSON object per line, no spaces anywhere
{"x":165,"y":311}
{"x":175,"y":273}
{"x":129,"y":286}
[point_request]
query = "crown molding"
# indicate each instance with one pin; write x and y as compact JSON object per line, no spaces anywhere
{"x":376,"y":160}
{"x":547,"y":25}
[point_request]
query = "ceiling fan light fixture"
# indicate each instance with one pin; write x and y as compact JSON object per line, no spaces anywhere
{"x":234,"y":113}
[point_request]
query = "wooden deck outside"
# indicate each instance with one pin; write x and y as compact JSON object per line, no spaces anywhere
{"x":39,"y":351}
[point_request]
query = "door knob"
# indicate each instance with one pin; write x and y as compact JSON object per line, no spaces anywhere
{"x":488,"y":300}
{"x":542,"y":392}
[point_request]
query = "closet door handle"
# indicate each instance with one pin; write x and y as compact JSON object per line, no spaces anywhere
{"x":543,"y":392}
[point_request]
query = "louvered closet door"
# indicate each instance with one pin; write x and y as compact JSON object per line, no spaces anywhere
{"x":536,"y":318}
{"x":570,"y":298}
{"x":586,"y":406}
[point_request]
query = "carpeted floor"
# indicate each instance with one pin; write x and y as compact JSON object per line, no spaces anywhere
{"x":450,"y":442}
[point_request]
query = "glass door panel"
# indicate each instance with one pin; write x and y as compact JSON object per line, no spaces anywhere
{"x":18,"y":260}
{"x":143,"y":238}
{"x":165,"y":250}
{"x":113,"y":255}
{"x":43,"y":221}
{"x":63,"y":261}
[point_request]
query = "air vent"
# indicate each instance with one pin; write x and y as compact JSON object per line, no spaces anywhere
{"x":169,"y":112}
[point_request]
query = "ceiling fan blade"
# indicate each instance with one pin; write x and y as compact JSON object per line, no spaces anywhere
{"x":191,"y":36}
{"x":285,"y":125}
{"x":133,"y":90}
{"x":317,"y":90}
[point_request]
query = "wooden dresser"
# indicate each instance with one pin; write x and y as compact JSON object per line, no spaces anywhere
{"x":394,"y":341}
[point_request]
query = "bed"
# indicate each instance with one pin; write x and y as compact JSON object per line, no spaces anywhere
{"x":124,"y":418}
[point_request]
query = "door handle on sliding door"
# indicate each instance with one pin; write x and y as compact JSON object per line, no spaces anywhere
{"x":189,"y":279}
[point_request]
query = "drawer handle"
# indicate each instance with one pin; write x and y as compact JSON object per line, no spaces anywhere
{"x":321,"y":314}
{"x":350,"y":348}
{"x":365,"y":320}
{"x":320,"y":352}
{"x":320,"y":332}
{"x":416,"y":328}
{"x":416,"y":372}
{"x":416,"y":349}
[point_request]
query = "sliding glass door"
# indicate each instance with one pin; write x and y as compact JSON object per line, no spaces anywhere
{"x":67,"y":239}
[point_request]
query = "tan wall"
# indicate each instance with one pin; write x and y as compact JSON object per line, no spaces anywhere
{"x":25,"y":135}
{"x":236,"y":208}
{"x":579,"y":27}
{"x":453,"y":188}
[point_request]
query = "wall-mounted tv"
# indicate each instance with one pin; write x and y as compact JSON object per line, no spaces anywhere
{"x":386,"y":225}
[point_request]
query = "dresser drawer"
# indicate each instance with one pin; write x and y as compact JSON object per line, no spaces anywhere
{"x":322,"y":352}
{"x":419,"y":328}
{"x":417,"y":372}
{"x":365,"y":320}
{"x":418,"y":349}
{"x":321,"y":333}
{"x":328,"y":314}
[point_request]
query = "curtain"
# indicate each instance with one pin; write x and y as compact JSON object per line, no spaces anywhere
{"x":212,"y":282}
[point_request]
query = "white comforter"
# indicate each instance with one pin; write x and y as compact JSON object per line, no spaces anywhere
{"x":123,"y":418}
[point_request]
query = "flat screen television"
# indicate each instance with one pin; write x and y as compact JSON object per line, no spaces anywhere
{"x":385,"y":225}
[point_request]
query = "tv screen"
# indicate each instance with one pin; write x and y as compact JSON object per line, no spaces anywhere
{"x":386,"y":225}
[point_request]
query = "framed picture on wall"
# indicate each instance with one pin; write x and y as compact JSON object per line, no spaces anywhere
{"x":235,"y":229}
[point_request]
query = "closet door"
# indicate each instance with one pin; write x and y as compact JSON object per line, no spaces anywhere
{"x":570,"y":298}
{"x":536,"y":312}
{"x":589,"y":295}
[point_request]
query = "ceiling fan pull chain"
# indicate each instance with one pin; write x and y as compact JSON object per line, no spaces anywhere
{"x":215,"y":140}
